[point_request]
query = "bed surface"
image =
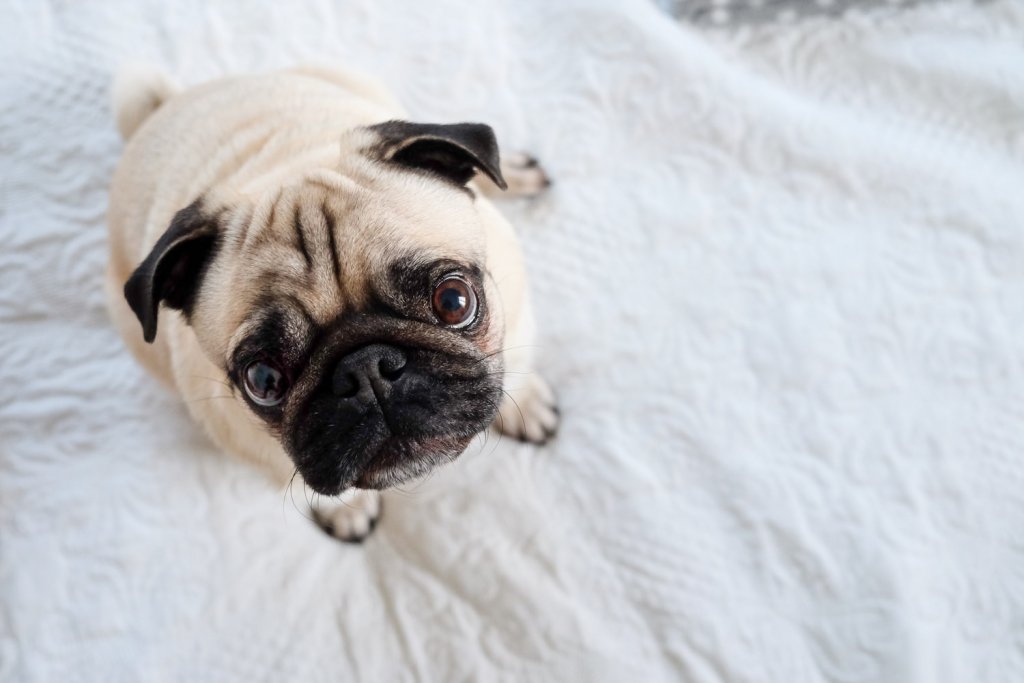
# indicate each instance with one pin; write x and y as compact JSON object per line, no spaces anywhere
{"x":780,"y":288}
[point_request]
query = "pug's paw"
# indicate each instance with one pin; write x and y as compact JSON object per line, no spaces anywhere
{"x":524,"y":175}
{"x":349,"y":517}
{"x":529,"y":412}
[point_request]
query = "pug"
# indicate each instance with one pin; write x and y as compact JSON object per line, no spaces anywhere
{"x":325,"y":283}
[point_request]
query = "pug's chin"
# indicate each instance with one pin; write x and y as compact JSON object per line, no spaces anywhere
{"x":397,"y":460}
{"x":401,"y":460}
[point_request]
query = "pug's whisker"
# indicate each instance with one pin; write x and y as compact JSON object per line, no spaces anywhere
{"x":346,"y":503}
{"x":484,"y":438}
{"x":288,"y":487}
{"x":501,"y":373}
{"x":290,"y":492}
{"x":501,"y":428}
{"x":214,"y":379}
{"x":202,"y":399}
{"x":522,"y":418}
{"x":507,"y":349}
{"x":305,"y":495}
{"x":494,"y":446}
{"x":420,"y":481}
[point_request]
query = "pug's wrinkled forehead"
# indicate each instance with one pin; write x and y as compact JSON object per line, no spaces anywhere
{"x":332,"y":241}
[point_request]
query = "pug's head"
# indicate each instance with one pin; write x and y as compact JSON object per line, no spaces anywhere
{"x":351,"y":309}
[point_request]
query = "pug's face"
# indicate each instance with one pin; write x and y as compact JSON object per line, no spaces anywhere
{"x":350,"y":309}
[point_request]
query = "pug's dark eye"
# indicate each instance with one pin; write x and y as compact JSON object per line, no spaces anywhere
{"x":454,"y":302}
{"x":265,"y":383}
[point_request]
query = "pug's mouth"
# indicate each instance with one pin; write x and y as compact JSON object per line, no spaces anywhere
{"x":400,"y":460}
{"x":385,"y":460}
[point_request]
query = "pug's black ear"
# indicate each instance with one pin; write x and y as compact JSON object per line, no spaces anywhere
{"x":454,"y":151}
{"x":174,"y":268}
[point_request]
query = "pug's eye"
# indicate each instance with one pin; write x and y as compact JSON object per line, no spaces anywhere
{"x":454,"y":302}
{"x":265,"y":383}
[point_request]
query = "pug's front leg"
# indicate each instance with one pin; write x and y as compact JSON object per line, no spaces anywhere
{"x":349,"y":517}
{"x":528,"y":411}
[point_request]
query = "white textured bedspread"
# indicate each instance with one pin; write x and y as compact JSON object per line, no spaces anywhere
{"x":780,"y":287}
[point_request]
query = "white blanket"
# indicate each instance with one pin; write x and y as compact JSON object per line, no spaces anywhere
{"x":780,"y":287}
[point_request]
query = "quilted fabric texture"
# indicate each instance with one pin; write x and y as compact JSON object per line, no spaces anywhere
{"x":735,"y":12}
{"x":780,"y":288}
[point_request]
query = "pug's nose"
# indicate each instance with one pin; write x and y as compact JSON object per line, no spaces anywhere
{"x":368,"y":374}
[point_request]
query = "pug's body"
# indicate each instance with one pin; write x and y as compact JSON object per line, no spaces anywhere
{"x":288,"y":242}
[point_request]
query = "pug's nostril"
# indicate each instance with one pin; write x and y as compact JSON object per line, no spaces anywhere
{"x":346,"y":385}
{"x":391,"y":367}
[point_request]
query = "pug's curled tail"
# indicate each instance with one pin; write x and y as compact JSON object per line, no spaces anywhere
{"x":138,"y":92}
